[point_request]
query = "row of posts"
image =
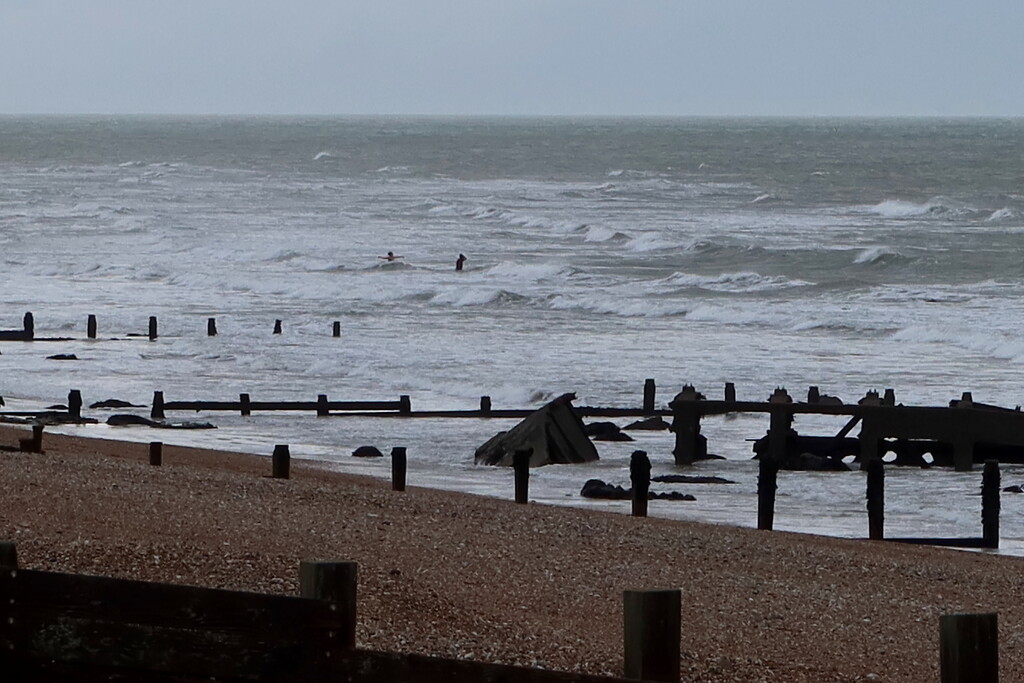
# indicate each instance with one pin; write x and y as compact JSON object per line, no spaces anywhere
{"x":28,"y":325}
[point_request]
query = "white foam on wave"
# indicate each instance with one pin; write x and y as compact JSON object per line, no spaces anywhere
{"x":988,"y":342}
{"x":650,"y":241}
{"x":1001,"y":214}
{"x":478,"y":296}
{"x":530,"y":272}
{"x":747,"y":281}
{"x":876,"y":254}
{"x":624,"y":307}
{"x":936,"y":206}
{"x":322,"y":155}
{"x":524,"y":220}
{"x":598,"y":233}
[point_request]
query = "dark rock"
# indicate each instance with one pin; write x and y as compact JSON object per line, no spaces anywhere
{"x":690,"y":479}
{"x":606,"y":431}
{"x":554,"y":432}
{"x":654,"y":424}
{"x":1016,"y":488}
{"x":113,"y":403}
{"x":62,"y":356}
{"x":127,"y":420}
{"x":595,"y":488}
{"x":367,"y":452}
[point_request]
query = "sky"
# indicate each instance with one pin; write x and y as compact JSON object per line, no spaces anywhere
{"x":515,"y":57}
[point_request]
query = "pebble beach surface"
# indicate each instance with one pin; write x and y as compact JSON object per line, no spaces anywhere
{"x":465,"y":576}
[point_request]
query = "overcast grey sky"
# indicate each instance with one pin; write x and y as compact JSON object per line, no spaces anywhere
{"x":664,"y":57}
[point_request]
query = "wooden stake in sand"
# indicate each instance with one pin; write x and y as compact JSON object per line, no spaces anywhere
{"x":969,"y":648}
{"x":651,"y":629}
{"x":281,"y":462}
{"x":334,"y":582}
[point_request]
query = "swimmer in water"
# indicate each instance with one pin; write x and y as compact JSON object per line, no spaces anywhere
{"x":459,"y":261}
{"x":390,"y":257}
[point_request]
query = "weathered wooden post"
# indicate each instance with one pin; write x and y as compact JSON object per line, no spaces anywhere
{"x":90,"y":326}
{"x":337,"y":328}
{"x":245,"y":405}
{"x":963,"y":443}
{"x":876,"y":500}
{"x":485,"y":405}
{"x":211,"y":327}
{"x":969,"y":648}
{"x":730,"y":392}
{"x":334,"y":582}
{"x":521,"y":470}
{"x":990,"y":503}
{"x":75,"y":404}
{"x":870,"y":435}
{"x":686,"y":425}
{"x":781,"y":419}
{"x":321,"y":405}
{"x":813,"y":395}
{"x":650,"y":391}
{"x":29,"y":325}
{"x":889,"y":397}
{"x":404,"y":405}
{"x":34,"y":444}
{"x":281,"y":462}
{"x":651,"y":630}
{"x":157,"y":411}
{"x":640,"y":477}
{"x":8,"y":555}
{"x":399,"y":465}
{"x":156,"y":453}
{"x":277,"y":327}
{"x":152,"y":328}
{"x":767,"y":478}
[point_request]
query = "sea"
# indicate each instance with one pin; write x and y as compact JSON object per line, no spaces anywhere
{"x":848,"y":254}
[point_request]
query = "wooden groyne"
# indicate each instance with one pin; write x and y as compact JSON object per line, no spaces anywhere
{"x":970,"y":430}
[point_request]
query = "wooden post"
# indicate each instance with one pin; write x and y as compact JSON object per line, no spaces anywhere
{"x":686,"y":425}
{"x":640,"y":477}
{"x":211,"y":327}
{"x":321,"y":405}
{"x":876,"y":500}
{"x":649,"y":395}
{"x":29,"y":323}
{"x":405,"y":405}
{"x":813,"y":395}
{"x":277,"y":327}
{"x":90,"y":326}
{"x":767,"y":478}
{"x":485,"y":405}
{"x":869,"y":438}
{"x":246,"y":409}
{"x":157,"y":412}
{"x":399,"y":465}
{"x":651,"y":630}
{"x":730,"y":392}
{"x":521,"y":468}
{"x":963,"y":444}
{"x":152,"y":327}
{"x":35,"y":444}
{"x":337,"y":328}
{"x":281,"y":462}
{"x":8,"y":555}
{"x":889,"y":397}
{"x":990,"y":503}
{"x":333,"y":582}
{"x":156,"y":453}
{"x":75,"y":404}
{"x":778,"y":433}
{"x":969,"y":648}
